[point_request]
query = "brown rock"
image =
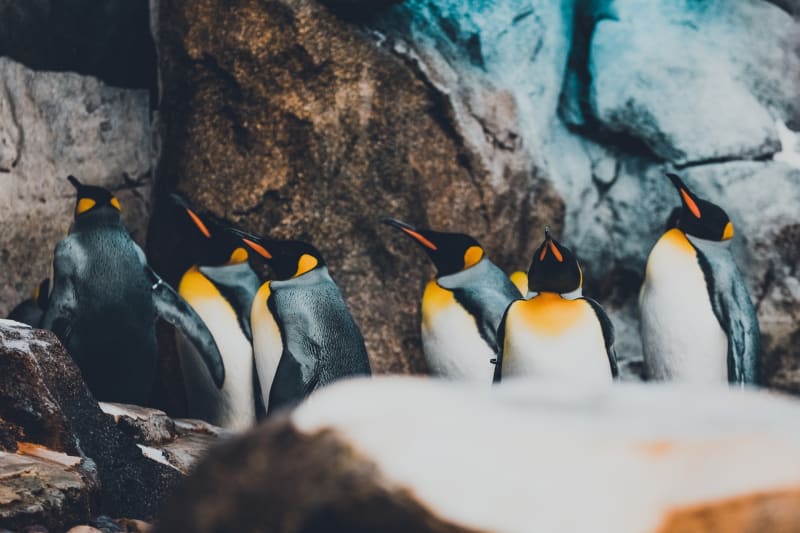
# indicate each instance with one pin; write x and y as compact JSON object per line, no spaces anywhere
{"x":35,"y":490}
{"x":42,"y":392}
{"x":283,"y":119}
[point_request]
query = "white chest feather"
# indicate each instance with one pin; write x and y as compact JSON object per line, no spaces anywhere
{"x":451,"y":342}
{"x":235,"y":408}
{"x":681,"y":337}
{"x":556,"y":339}
{"x":267,"y":343}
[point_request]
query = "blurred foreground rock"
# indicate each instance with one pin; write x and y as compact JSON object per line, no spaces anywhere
{"x":409,"y":454}
{"x":55,"y":124}
{"x":62,"y":459}
{"x":282,"y":118}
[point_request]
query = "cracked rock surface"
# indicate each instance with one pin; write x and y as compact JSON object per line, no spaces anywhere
{"x":53,"y":125}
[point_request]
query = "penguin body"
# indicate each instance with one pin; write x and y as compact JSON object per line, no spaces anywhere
{"x":460,"y":316}
{"x":220,"y":287}
{"x":698,"y":322}
{"x":221,"y":296}
{"x":555,"y":334}
{"x":462,"y":307}
{"x":105,"y":300}
{"x":678,"y":321}
{"x":301,"y":325}
{"x":551,"y":337}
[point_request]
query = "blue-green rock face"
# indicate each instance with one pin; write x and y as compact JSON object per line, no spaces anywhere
{"x":601,"y":96}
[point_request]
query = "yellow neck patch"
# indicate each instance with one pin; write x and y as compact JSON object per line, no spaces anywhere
{"x":727,"y":232}
{"x":306,"y":263}
{"x":472,"y":256}
{"x":84,"y":204}
{"x":550,"y":314}
{"x":520,"y":281}
{"x":435,"y":300}
{"x":238,"y":256}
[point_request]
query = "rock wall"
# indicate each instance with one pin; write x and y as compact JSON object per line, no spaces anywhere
{"x":608,"y":95}
{"x":289,"y":121}
{"x":53,"y":125}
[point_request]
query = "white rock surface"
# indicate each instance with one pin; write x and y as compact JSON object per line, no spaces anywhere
{"x":529,"y":456}
{"x":52,"y":125}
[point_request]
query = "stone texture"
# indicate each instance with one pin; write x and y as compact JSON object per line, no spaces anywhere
{"x":178,"y":443}
{"x":106,"y":38}
{"x":43,"y":394}
{"x":663,"y":458}
{"x":553,"y":62}
{"x":52,"y":125}
{"x":283,"y":119}
{"x":41,"y":491}
{"x":669,"y":75}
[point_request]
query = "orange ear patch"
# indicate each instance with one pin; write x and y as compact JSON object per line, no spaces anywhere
{"x":115,"y":203}
{"x":260,"y":250}
{"x":559,"y":257}
{"x":422,"y":240}
{"x":690,"y":203}
{"x":544,"y":253}
{"x":199,"y":223}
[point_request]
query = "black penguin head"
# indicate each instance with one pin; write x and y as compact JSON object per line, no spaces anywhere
{"x":214,"y":246}
{"x":450,"y":252}
{"x":554,"y":268}
{"x":700,"y":218}
{"x":287,"y":259}
{"x":93,"y":200}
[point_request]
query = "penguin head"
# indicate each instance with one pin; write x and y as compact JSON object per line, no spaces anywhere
{"x":554,"y":268}
{"x":698,"y":217}
{"x":450,"y":252}
{"x":287,"y":259}
{"x":214,"y":246}
{"x":92,"y":200}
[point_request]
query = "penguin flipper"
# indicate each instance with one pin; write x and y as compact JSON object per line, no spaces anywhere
{"x":174,"y":309}
{"x":608,"y":335}
{"x":501,"y":342}
{"x":288,"y":387}
{"x":62,"y":303}
{"x":736,"y":314}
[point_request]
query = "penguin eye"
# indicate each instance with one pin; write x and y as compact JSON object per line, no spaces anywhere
{"x":84,"y":204}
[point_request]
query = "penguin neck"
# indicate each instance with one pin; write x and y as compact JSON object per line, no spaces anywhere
{"x":707,"y":245}
{"x":94,"y":220}
{"x":312,"y":277}
{"x":457,"y":279}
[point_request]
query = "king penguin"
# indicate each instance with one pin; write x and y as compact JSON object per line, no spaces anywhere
{"x":30,"y":311}
{"x":553,"y":336}
{"x":220,"y":286}
{"x":303,"y":334}
{"x":462,"y":306}
{"x":698,"y":323}
{"x":105,"y":300}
